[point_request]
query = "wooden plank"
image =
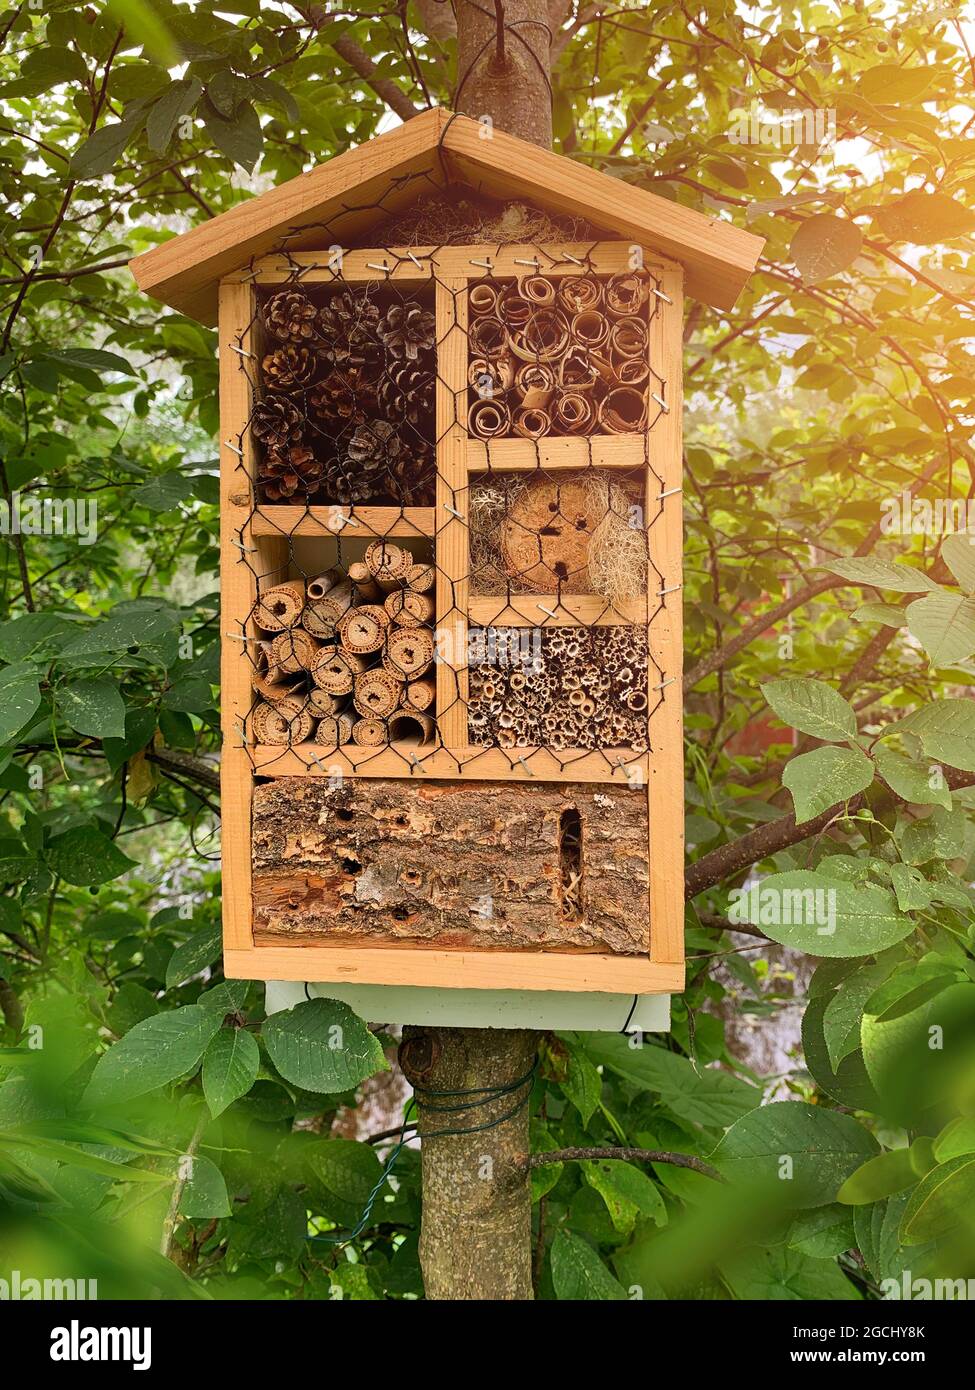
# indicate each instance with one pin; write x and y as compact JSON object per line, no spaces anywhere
{"x":665,"y":786}
{"x":551,"y":610}
{"x":323,"y":521}
{"x":470,"y":761}
{"x":452,"y":550}
{"x":554,"y":451}
{"x":236,"y":602}
{"x":389,"y":965}
{"x":717,"y":257}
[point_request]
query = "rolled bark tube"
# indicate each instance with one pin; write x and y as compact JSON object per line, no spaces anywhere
{"x":271,"y":690}
{"x":605,"y":369}
{"x":323,"y":584}
{"x":388,"y":564}
{"x":334,"y":669}
{"x":629,"y":338}
{"x":420,"y":694}
{"x":627,"y":292}
{"x":377,"y":693}
{"x":363,"y":630}
{"x":409,"y":652}
{"x":579,"y":292}
{"x":514,"y":310}
{"x":334,"y":730}
{"x":532,"y":424}
{"x":537,"y":290}
{"x":410,"y":726}
{"x":487,"y":336}
{"x":280,"y":607}
{"x":543,"y":339}
{"x":369,"y":733}
{"x":321,"y":703}
{"x":366,"y":586}
{"x":409,"y":609}
{"x":320,"y":617}
{"x":483,"y":298}
{"x":532,"y":380}
{"x":632,"y":371}
{"x":421,"y":578}
{"x":574,"y":413}
{"x":623,"y":410}
{"x":489,"y":419}
{"x":590,"y":328}
{"x":283,"y":723}
{"x":294,"y":650}
{"x":577,"y":370}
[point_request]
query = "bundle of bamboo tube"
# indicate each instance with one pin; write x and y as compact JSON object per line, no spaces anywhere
{"x":560,"y":356}
{"x":346,"y":657}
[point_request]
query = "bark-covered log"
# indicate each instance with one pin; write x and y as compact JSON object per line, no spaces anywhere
{"x":491,"y":864}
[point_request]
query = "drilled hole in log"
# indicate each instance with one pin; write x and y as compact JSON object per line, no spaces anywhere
{"x":400,"y":914}
{"x":570,"y":862}
{"x":343,"y":813}
{"x":351,"y":866}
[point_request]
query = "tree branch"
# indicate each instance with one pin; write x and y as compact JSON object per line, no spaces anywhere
{"x":631,"y":1155}
{"x":206,"y":774}
{"x":384,"y":87}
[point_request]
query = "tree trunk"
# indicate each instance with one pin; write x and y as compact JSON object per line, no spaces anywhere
{"x":475,"y":1240}
{"x":503,"y":66}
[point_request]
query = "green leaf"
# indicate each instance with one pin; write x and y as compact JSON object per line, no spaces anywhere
{"x":823,"y":916}
{"x":344,"y":1173}
{"x":843,"y":1013}
{"x":824,"y":777}
{"x":822,"y":1233}
{"x":878,"y":574}
{"x":163,"y":493}
{"x":205,"y":1193}
{"x":946,"y":729}
{"x":942,"y":1199}
{"x":955,"y":1139}
{"x":240,"y":138}
{"x":53,"y":66}
{"x":925,"y":219}
{"x":627,"y":1191}
{"x":159,"y":1050}
{"x":944,"y":624}
{"x":813,"y":1149}
{"x":194,"y":955}
{"x":93,"y":707}
{"x":79,"y":1158}
{"x":101,"y":151}
{"x":20,"y":699}
{"x":354,"y":1282}
{"x":847,"y":1082}
{"x":877,"y":1229}
{"x":916,"y":782}
{"x":886,"y":613}
{"x":711,"y":1098}
{"x":83,"y":855}
{"x":911,"y":888}
{"x":958,"y":553}
{"x":579,"y":1275}
{"x":940,"y":835}
{"x":230,"y":1068}
{"x":879,"y":1177}
{"x":783,"y":1275}
{"x":583,"y":1085}
{"x":321,"y":1045}
{"x":812,"y":707}
{"x":93,"y":359}
{"x":887,"y":83}
{"x":824,"y":245}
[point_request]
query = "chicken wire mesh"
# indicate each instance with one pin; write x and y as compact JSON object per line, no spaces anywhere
{"x":366,"y":628}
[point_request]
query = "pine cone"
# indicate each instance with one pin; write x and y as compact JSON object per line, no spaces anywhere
{"x":407,"y":330}
{"x":406,"y":392}
{"x":374,"y":440}
{"x":287,"y":471}
{"x":345,"y":395}
{"x":348,"y":326}
{"x":290,"y":367}
{"x":277,"y":422}
{"x":412,"y":475}
{"x":290,"y":317}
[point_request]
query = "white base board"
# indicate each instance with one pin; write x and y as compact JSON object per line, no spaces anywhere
{"x":484,"y":1008}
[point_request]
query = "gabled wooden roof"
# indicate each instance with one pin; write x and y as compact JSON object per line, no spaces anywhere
{"x":366,"y":185}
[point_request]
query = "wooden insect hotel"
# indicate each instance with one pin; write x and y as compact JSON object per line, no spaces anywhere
{"x":450,"y":382}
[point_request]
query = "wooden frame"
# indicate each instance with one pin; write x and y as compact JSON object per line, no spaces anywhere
{"x":247,"y":529}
